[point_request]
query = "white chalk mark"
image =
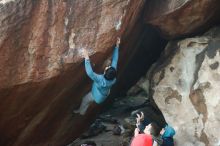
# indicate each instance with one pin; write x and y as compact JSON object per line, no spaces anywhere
{"x":118,"y":24}
{"x":5,"y":1}
{"x":71,"y":43}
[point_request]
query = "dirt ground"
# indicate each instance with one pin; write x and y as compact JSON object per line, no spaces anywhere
{"x":103,"y":131}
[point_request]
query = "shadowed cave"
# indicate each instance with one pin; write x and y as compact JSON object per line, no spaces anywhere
{"x":149,"y":48}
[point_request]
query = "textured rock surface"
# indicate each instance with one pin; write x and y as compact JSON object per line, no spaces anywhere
{"x":186,"y":88}
{"x":176,"y":18}
{"x":42,"y":75}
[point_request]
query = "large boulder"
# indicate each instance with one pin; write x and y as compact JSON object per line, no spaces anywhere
{"x":42,"y":76}
{"x":176,"y":18}
{"x":185,"y":86}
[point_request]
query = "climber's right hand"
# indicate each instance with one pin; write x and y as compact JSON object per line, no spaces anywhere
{"x":118,"y":41}
{"x":85,"y":53}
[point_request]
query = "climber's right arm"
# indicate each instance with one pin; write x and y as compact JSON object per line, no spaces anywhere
{"x":88,"y":66}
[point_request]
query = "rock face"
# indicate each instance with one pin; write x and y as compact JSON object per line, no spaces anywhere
{"x":42,"y":77}
{"x":175,"y":18}
{"x":185,"y":85}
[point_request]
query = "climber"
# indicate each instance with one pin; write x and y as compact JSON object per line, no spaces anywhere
{"x":102,"y":83}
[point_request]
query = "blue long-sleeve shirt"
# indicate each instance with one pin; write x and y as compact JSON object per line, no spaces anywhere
{"x":101,"y":87}
{"x":168,"y":136}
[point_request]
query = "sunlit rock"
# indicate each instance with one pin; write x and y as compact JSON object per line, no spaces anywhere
{"x":185,"y":85}
{"x":176,"y":18}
